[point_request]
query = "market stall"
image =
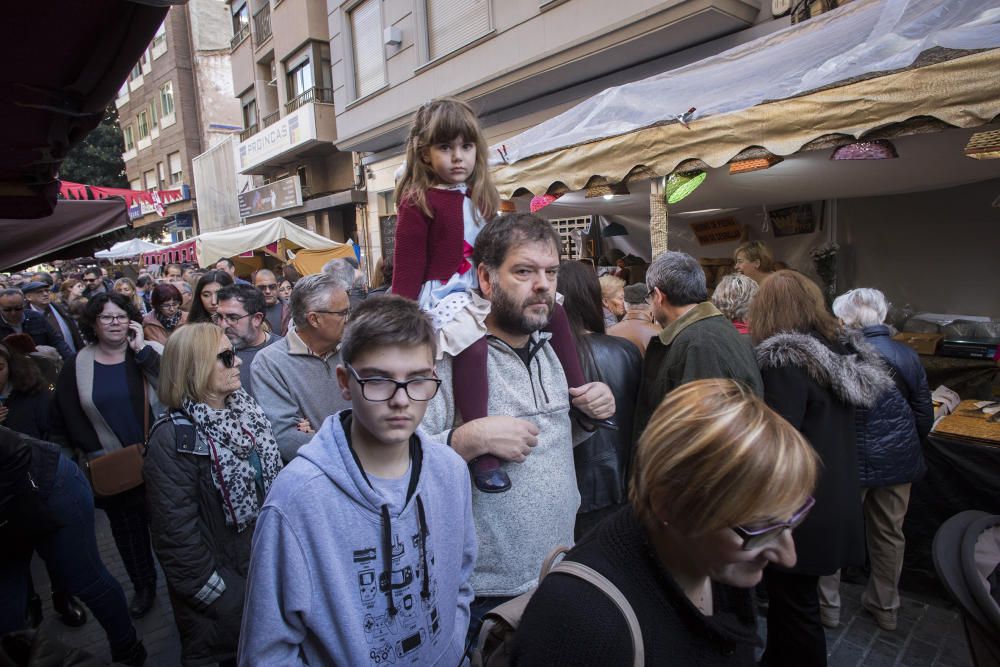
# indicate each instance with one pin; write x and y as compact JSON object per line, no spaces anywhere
{"x":127,"y":249}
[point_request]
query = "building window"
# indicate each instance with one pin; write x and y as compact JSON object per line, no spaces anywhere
{"x":159,"y":44}
{"x":160,"y":180}
{"x":154,"y":119}
{"x":241,"y":20}
{"x":167,"y":98}
{"x":143,"y":124}
{"x":369,"y":54}
{"x":136,"y":71}
{"x":249,"y":113}
{"x":300,"y":79}
{"x":129,"y":138}
{"x":451,"y":24}
{"x":176,"y":169}
{"x":150,"y":180}
{"x":135,"y":185}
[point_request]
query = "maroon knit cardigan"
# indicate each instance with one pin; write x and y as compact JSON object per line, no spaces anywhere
{"x":428,"y":248}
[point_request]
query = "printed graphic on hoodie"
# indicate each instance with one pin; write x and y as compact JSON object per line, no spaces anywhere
{"x":396,"y":631}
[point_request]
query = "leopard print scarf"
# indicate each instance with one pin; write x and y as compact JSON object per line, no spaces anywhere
{"x":232,"y":434}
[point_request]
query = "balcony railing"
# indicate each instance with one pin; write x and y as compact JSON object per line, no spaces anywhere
{"x":249,"y":132}
{"x":262,"y":24}
{"x":239,"y":37}
{"x":270,"y":119}
{"x":324,"y":95}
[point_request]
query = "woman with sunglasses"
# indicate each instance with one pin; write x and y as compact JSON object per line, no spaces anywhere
{"x":211,"y":460}
{"x":719,"y":483}
{"x":812,"y":380}
{"x":166,"y":315}
{"x":104,"y":401}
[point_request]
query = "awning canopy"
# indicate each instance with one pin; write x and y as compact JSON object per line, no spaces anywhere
{"x":866,"y":68}
{"x":72,"y":230}
{"x":213,"y":246}
{"x":80,"y":53}
{"x":308,"y":262}
{"x":131,"y":248}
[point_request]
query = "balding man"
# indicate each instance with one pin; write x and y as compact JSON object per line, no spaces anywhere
{"x":276,"y":313}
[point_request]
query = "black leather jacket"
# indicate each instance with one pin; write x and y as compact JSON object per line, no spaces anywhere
{"x":603,"y":461}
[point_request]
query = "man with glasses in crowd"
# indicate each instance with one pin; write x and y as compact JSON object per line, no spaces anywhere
{"x":241,"y":315}
{"x":94,"y":283}
{"x":276,"y":313}
{"x":294,"y":380}
{"x":39,"y":296}
{"x":16,"y":317}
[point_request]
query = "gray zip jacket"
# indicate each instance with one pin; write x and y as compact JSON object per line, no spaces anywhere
{"x":518,"y":529}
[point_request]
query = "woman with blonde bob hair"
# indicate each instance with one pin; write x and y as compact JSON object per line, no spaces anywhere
{"x":720,"y":481}
{"x":815,"y":382}
{"x":753,"y":259}
{"x":211,"y":460}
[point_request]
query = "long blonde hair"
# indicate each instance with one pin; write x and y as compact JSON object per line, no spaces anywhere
{"x":187,"y":363}
{"x":437,"y":122}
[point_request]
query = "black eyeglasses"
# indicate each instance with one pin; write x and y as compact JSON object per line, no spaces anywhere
{"x":755,"y":537}
{"x":13,"y":309}
{"x":229,"y":318}
{"x":227,"y":357}
{"x":345,"y":313}
{"x":378,"y":389}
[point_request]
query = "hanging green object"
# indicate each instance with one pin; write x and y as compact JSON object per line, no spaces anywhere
{"x":682,"y":183}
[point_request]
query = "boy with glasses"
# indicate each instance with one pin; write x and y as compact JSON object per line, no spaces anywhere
{"x":365,"y":546}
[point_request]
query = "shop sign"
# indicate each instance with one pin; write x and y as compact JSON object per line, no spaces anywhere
{"x":286,"y":193}
{"x":720,"y":230}
{"x":793,"y":220}
{"x":294,"y":129}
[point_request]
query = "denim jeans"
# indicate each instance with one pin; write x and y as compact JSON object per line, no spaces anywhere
{"x":72,"y":557}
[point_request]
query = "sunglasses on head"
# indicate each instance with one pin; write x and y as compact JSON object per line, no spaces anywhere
{"x":227,"y":357}
{"x":759,"y":535}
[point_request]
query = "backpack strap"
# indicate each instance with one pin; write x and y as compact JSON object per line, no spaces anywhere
{"x":598,"y":580}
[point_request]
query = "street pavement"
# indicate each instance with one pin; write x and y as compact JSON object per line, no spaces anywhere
{"x":929,"y":634}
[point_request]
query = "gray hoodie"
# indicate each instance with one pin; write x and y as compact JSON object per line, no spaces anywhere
{"x":519,"y":528}
{"x":338,"y":574}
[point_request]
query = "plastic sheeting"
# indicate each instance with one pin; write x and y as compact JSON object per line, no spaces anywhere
{"x":213,"y":246}
{"x":859,"y":39}
{"x":131,"y":248}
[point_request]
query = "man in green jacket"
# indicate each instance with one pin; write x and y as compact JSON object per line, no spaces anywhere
{"x":697,"y":341}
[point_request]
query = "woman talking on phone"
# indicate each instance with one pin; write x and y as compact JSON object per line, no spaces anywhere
{"x":105,"y":401}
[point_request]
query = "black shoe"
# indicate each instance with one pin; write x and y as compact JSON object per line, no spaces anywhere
{"x":488,"y":476}
{"x":34,"y":610}
{"x":142,"y":602}
{"x":70,"y":611}
{"x":135,"y":655}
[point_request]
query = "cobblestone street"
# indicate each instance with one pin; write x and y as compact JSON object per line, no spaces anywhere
{"x":929,"y":634}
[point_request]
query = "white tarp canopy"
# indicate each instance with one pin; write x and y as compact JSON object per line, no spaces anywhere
{"x":857,"y":40}
{"x":123,"y":249}
{"x":212,"y":246}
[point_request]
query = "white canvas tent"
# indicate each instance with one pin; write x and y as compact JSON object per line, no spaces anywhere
{"x":212,"y":246}
{"x":125,"y":249}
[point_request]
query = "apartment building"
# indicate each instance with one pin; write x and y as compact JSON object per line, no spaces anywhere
{"x":177,"y":102}
{"x":518,"y":62}
{"x":282,"y":77}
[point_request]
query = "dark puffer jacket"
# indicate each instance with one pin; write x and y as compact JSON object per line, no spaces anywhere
{"x":194,"y":545}
{"x":889,"y":435}
{"x":602,"y":462}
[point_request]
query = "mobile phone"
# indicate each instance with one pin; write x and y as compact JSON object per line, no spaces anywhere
{"x":131,"y":334}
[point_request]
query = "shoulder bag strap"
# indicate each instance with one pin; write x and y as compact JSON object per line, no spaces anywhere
{"x":590,"y":575}
{"x":145,"y":410}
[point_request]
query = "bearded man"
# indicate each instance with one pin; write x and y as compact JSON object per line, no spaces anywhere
{"x":517,"y":263}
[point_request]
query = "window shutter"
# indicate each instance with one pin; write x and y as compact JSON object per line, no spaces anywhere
{"x":369,"y":56}
{"x":451,"y":24}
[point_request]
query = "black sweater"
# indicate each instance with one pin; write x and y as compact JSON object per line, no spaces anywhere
{"x":571,"y":622}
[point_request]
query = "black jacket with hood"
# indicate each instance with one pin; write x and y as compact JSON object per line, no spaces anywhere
{"x":816,"y":385}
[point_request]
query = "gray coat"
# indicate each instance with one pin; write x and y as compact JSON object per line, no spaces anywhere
{"x":195,"y":547}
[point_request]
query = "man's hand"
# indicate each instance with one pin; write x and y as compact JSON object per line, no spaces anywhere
{"x":305,"y":426}
{"x":506,"y":438}
{"x":594,"y":399}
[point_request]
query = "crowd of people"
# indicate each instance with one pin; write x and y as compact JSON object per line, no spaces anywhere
{"x":337,"y":475}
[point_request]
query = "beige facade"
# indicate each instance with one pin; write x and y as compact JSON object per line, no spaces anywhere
{"x":280,"y":55}
{"x":518,"y":62}
{"x":177,"y":102}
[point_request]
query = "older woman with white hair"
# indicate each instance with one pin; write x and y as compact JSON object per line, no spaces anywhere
{"x":732,"y":296}
{"x":889,"y":455}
